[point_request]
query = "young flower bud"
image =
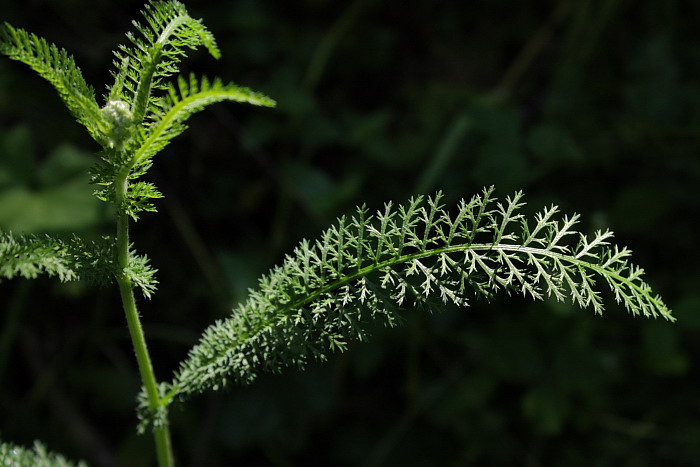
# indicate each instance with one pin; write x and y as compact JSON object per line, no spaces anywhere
{"x":119,"y":118}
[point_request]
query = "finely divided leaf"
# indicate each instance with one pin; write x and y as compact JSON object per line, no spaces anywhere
{"x":59,"y":68}
{"x":417,"y":255}
{"x":158,"y":46}
{"x":70,"y":259}
{"x":67,"y":258}
{"x":17,"y":456}
{"x":182,"y":100}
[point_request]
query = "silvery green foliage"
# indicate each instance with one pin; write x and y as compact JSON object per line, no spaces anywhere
{"x":69,"y":259}
{"x":416,"y":255}
{"x":16,"y":456}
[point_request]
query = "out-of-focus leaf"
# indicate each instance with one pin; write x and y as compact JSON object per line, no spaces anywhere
{"x":67,"y":207}
{"x":17,"y":157}
{"x":54,"y":195}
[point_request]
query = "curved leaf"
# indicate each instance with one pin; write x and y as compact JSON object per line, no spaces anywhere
{"x":370,"y":267}
{"x":59,"y":68}
{"x":156,"y":52}
{"x":182,"y":101}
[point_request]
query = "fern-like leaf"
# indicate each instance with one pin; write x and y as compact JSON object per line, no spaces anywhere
{"x":59,"y":68}
{"x":158,"y":47}
{"x":370,"y":267}
{"x":17,"y":456}
{"x":182,"y":100}
{"x":141,"y":273}
{"x":70,"y":259}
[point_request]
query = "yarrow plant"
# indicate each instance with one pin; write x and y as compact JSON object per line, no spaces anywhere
{"x":364,"y":268}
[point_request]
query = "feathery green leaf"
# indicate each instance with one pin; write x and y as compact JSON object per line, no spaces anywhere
{"x":67,"y":258}
{"x":17,"y":456}
{"x":59,"y":68}
{"x":419,"y":255}
{"x":156,"y":51}
{"x":182,"y":101}
{"x":141,"y":274}
{"x":70,"y":259}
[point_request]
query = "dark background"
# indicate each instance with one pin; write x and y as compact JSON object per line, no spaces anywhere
{"x":592,"y":105}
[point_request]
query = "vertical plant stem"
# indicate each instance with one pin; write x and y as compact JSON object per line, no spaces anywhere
{"x":126,"y":288}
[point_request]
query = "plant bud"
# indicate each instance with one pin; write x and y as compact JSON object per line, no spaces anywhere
{"x":118,"y":116}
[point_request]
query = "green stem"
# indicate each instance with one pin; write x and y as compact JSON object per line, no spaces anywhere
{"x":161,"y":432}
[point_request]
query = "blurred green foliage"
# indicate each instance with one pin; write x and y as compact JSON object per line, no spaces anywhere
{"x":592,"y":105}
{"x":45,"y":196}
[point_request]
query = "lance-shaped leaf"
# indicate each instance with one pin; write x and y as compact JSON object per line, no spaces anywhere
{"x":59,"y":68}
{"x":417,"y":255}
{"x":180,"y":102}
{"x":158,"y":47}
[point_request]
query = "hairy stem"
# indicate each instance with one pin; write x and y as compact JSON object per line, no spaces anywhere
{"x":126,"y":288}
